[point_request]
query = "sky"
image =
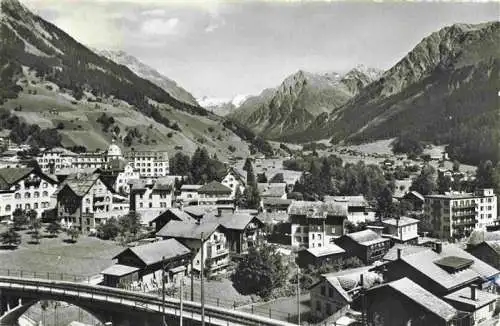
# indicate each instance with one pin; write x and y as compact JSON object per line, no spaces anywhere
{"x":222,"y":49}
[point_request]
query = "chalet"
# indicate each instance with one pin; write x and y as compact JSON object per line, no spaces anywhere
{"x":145,"y":263}
{"x":315,"y":224}
{"x":404,"y":302}
{"x":441,"y":271}
{"x":367,"y":245}
{"x":319,"y":256}
{"x":357,"y":207}
{"x":401,"y":230}
{"x":173,"y":214}
{"x":242,"y":229}
{"x":208,"y":237}
{"x":26,"y":189}
{"x":84,"y":202}
{"x":336,"y":292}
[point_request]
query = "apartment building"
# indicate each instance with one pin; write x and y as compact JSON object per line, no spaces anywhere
{"x":150,"y":197}
{"x":456,"y":215}
{"x":315,"y":224}
{"x":153,"y":164}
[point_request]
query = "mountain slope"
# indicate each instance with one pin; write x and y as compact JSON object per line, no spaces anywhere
{"x":301,"y":97}
{"x":449,"y":81}
{"x":50,"y":80}
{"x":222,"y":106}
{"x":144,"y":71}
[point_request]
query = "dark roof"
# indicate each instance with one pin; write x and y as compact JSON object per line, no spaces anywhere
{"x":453,"y":264}
{"x":154,"y":252}
{"x":79,"y":183}
{"x":9,"y":176}
{"x":423,"y":298}
{"x":415,"y":194}
{"x":183,"y":230}
{"x":232,"y":221}
{"x":495,"y":245}
{"x":215,"y":187}
{"x":177,"y":214}
{"x":479,"y":236}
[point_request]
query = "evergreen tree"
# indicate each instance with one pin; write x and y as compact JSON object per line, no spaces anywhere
{"x":444,"y":183}
{"x":424,"y":183}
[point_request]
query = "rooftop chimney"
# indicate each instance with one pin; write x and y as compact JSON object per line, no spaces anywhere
{"x":473,"y":288}
{"x":438,"y":247}
{"x":361,"y":280}
{"x":400,"y":252}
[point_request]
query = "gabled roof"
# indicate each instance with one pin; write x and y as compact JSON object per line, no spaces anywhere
{"x":177,"y":213}
{"x":423,"y":298}
{"x":154,"y":252}
{"x":415,"y":194}
{"x":402,"y":221}
{"x":9,"y":176}
{"x":119,"y":270}
{"x":238,"y":174}
{"x":183,"y":230}
{"x":424,"y":262}
{"x":79,"y":183}
{"x":479,"y":236}
{"x":495,"y":245}
{"x":232,"y":221}
{"x":215,"y":187}
{"x":191,"y":187}
{"x":273,"y":201}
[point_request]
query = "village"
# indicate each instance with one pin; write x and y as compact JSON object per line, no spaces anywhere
{"x":261,"y":237}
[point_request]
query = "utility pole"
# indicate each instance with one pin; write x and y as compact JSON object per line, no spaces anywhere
{"x":298,"y":295}
{"x":192,"y":275}
{"x":202,"y":292}
{"x":163,"y":289}
{"x":182,"y":294}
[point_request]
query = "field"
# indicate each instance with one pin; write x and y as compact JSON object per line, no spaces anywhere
{"x":44,"y":104}
{"x":87,"y":257}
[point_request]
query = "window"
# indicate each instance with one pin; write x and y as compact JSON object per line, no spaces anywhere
{"x":318,"y":305}
{"x":45,"y":194}
{"x":27,"y":206}
{"x":18,"y":196}
{"x":45,"y":185}
{"x":35,"y":205}
{"x":150,"y":205}
{"x":140,"y":205}
{"x":36,"y":194}
{"x":7,"y":208}
{"x":330,"y":292}
{"x":323,"y":290}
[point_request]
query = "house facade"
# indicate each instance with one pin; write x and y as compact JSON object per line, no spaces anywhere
{"x":401,"y":230}
{"x":487,"y":251}
{"x":150,"y":197}
{"x":26,"y":189}
{"x":234,"y":180}
{"x":189,"y":194}
{"x":84,"y":202}
{"x":315,"y":224}
{"x":208,"y":237}
{"x":367,"y":245}
{"x":216,"y":194}
{"x":149,"y":164}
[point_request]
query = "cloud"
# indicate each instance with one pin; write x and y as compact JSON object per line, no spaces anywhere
{"x":159,"y":26}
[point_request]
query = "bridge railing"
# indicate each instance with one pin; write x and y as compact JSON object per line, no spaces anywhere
{"x":210,"y":300}
{"x":143,"y":301}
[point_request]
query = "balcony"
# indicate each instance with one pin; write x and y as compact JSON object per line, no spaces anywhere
{"x":470,"y":222}
{"x":465,"y":207}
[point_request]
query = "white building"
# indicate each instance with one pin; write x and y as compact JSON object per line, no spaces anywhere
{"x":455,"y":214}
{"x":401,"y":230}
{"x":153,"y":164}
{"x":189,"y":193}
{"x":55,"y":159}
{"x":26,"y":189}
{"x":124,"y":178}
{"x":234,"y":180}
{"x":150,"y":198}
{"x":358,"y":208}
